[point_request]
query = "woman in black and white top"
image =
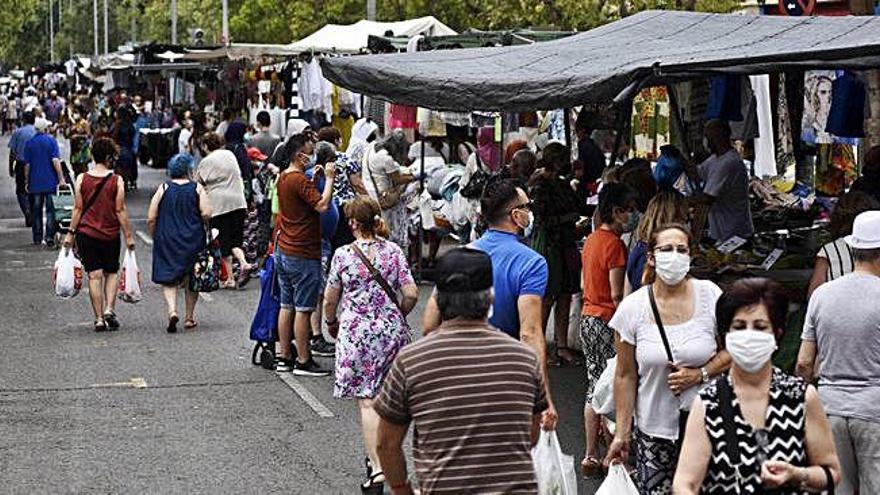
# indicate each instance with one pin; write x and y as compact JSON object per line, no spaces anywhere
{"x":782,"y":439}
{"x":835,"y":259}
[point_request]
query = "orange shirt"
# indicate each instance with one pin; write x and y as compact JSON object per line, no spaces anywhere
{"x":603,"y":252}
{"x":298,"y":220}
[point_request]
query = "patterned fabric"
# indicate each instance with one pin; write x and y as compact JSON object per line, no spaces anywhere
{"x":342,"y":188}
{"x":371,"y":328}
{"x":205,"y":276}
{"x":656,"y":459}
{"x":782,"y":437}
{"x":597,"y":341}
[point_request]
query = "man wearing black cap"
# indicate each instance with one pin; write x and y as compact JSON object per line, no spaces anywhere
{"x":474,"y":394}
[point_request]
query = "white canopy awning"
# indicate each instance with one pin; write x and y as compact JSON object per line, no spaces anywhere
{"x":352,"y":38}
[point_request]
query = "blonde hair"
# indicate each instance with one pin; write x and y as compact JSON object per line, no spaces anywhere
{"x":666,"y":208}
{"x":366,"y":212}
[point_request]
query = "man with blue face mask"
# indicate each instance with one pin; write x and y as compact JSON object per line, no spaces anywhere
{"x":520,"y":274}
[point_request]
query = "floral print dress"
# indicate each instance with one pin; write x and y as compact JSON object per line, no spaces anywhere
{"x":371,"y":328}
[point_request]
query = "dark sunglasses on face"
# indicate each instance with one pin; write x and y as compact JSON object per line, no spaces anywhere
{"x":523,"y":206}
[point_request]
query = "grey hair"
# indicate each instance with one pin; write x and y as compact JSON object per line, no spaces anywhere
{"x":396,"y":145}
{"x":866,"y":255}
{"x":325,"y":151}
{"x":470,"y":305}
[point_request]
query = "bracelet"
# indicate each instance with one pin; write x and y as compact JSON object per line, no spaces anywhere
{"x":805,"y":479}
{"x":331,"y":323}
{"x":704,"y":375}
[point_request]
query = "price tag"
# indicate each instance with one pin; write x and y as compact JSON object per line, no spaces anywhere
{"x":771,"y":259}
{"x":731,"y":244}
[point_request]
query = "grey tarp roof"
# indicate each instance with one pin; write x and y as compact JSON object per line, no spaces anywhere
{"x":653,"y":47}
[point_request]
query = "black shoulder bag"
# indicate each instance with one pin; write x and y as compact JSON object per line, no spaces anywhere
{"x":474,"y":188}
{"x":682,"y":414}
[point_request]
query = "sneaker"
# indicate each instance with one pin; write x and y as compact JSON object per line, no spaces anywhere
{"x":111,"y":320}
{"x":322,"y":348}
{"x":283,"y":365}
{"x":309,"y":368}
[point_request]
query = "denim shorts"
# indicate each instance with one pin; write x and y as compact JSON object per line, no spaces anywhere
{"x":300,"y":282}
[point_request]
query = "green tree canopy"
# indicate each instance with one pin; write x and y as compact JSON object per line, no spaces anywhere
{"x":24,"y":24}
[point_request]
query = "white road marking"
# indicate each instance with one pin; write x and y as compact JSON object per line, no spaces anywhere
{"x":207,"y":297}
{"x":144,"y":237}
{"x":136,"y":382}
{"x":304,"y":394}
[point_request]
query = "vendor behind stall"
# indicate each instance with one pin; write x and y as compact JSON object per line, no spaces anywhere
{"x":725,"y":181}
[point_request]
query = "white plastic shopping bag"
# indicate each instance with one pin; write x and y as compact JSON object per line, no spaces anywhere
{"x":617,"y":482}
{"x":130,"y":279}
{"x":603,"y":391}
{"x":68,"y":274}
{"x":553,"y":469}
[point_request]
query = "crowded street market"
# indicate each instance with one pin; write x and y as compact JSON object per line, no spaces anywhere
{"x":642,"y":258}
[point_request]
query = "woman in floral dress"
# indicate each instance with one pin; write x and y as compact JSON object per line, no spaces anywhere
{"x":372,"y":326}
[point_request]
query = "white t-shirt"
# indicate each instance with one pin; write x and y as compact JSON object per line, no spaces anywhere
{"x":183,"y":140}
{"x":840,"y":259}
{"x":693,"y":345}
{"x":381,"y":165}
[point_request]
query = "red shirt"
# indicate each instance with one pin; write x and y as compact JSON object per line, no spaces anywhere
{"x":603,"y":252}
{"x":299,"y":222}
{"x":100,"y":221}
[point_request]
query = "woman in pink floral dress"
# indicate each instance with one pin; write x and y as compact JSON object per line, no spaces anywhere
{"x":372,"y":326}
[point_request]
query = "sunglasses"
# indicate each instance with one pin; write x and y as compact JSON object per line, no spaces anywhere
{"x":523,"y":206}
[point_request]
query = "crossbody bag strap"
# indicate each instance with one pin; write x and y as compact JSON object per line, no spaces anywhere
{"x":367,"y":160}
{"x":659,"y":323}
{"x":94,"y":197}
{"x":374,"y":273}
{"x":725,"y":405}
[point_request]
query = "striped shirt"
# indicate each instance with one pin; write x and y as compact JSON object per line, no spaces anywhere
{"x":840,"y":259}
{"x":472,"y":393}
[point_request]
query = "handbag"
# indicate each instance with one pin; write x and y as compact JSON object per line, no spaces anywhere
{"x":475,"y":186}
{"x":205,"y":273}
{"x":377,"y":277}
{"x":390,"y":197}
{"x":682,"y":414}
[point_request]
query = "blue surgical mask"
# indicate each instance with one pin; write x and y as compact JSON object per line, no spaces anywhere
{"x":633,"y":223}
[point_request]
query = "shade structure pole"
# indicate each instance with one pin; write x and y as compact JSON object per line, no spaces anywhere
{"x":226,"y":22}
{"x":624,"y":111}
{"x":566,"y":114}
{"x":51,"y":33}
{"x":106,"y":30}
{"x":95,"y":24}
{"x":173,"y":22}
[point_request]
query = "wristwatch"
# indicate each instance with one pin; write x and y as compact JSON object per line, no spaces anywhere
{"x":704,"y":375}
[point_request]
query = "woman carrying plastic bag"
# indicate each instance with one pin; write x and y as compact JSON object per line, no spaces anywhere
{"x":617,"y":482}
{"x":553,"y":469}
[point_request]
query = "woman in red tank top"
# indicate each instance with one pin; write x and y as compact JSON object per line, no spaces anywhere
{"x":98,"y":214}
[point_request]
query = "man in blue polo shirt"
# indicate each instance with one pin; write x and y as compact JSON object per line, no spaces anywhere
{"x":519,"y":275}
{"x":43,"y":175}
{"x":17,"y":164}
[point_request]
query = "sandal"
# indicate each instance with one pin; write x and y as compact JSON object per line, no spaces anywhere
{"x":374,"y":486}
{"x":592,"y":467}
{"x":190,"y":323}
{"x":172,"y":323}
{"x":100,"y":326}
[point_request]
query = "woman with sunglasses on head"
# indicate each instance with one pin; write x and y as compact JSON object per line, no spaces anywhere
{"x":666,"y":351}
{"x":756,"y":429}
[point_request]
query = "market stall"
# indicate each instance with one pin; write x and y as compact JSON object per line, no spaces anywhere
{"x":621,"y":62}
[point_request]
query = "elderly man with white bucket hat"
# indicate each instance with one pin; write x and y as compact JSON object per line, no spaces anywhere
{"x":842,"y":328}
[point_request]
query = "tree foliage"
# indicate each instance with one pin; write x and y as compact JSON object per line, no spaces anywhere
{"x":24,"y":23}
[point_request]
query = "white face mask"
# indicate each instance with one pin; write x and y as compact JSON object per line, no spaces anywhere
{"x":672,"y":267}
{"x":750,"y":349}
{"x":527,"y":230}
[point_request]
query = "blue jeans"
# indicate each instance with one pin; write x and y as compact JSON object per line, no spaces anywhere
{"x":300,"y":282}
{"x":37,"y":203}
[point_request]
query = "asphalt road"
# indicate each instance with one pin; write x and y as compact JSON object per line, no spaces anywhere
{"x":142,"y":411}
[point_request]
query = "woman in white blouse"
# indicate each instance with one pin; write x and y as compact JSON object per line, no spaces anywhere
{"x":651,"y":389}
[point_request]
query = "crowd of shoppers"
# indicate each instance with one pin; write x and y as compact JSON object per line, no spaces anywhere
{"x":692,"y":361}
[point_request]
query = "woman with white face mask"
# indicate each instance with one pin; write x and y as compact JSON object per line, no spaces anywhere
{"x":666,"y":352}
{"x":775,"y":422}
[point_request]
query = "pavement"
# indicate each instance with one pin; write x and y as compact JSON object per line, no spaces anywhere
{"x":143,"y":411}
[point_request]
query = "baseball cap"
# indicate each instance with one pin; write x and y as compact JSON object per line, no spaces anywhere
{"x":464,"y":270}
{"x":41,"y":124}
{"x":866,"y":231}
{"x":256,"y":154}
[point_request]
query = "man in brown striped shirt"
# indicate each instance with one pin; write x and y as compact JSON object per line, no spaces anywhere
{"x":474,"y":394}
